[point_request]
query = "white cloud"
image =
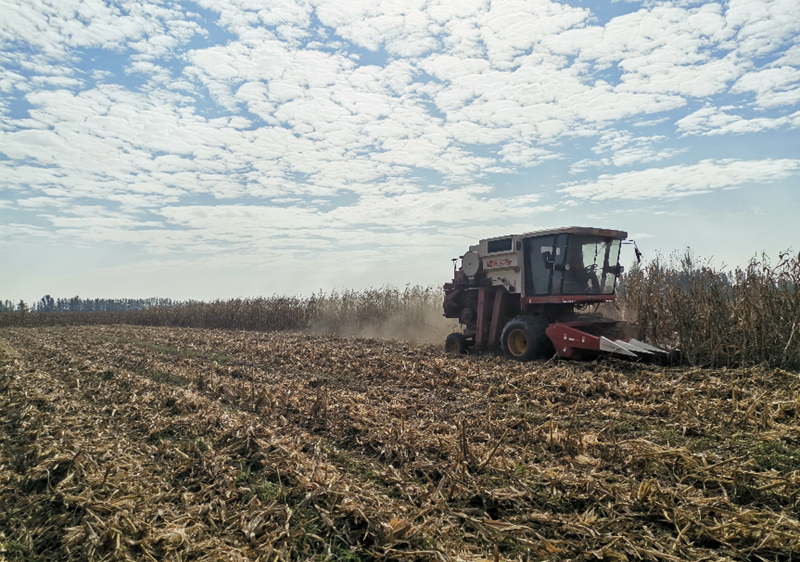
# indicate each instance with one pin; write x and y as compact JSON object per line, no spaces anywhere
{"x":714,"y":121}
{"x":395,"y":222}
{"x":11,"y":233}
{"x":157,"y":74}
{"x":683,"y":180}
{"x":790,"y":57}
{"x":664,"y":49}
{"x":57,"y":81}
{"x":650,"y":122}
{"x":101,"y":75}
{"x":10,"y":80}
{"x":625,"y":149}
{"x":402,"y":28}
{"x":773,"y":86}
{"x":585,"y":164}
{"x":338,"y":126}
{"x":510,"y":29}
{"x":55,"y":27}
{"x":41,"y":202}
{"x":97,"y":226}
{"x":762,"y":26}
{"x":246,"y":18}
{"x":538,"y":100}
{"x":526,"y":156}
{"x":279,"y":136}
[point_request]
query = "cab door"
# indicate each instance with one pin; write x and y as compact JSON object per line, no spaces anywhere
{"x":544,"y":264}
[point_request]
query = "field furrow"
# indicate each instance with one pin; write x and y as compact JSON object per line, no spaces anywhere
{"x":122,"y":442}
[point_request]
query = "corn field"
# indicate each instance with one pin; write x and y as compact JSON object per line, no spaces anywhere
{"x":718,"y":318}
{"x":711,"y":317}
{"x":414,"y":312}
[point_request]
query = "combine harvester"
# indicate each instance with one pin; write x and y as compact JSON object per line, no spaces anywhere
{"x":528,"y":295}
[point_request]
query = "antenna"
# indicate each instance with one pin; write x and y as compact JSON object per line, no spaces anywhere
{"x":635,"y":249}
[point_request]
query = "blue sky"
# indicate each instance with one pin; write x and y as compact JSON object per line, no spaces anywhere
{"x":220,"y":148}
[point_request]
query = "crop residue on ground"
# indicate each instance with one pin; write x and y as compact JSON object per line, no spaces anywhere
{"x":133,"y":443}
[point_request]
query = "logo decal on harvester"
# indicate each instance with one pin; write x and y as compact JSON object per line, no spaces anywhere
{"x":505,"y":262}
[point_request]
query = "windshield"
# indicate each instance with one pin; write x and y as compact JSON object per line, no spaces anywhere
{"x":591,"y":265}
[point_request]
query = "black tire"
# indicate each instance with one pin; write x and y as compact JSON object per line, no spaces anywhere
{"x":524,"y":339}
{"x":456,"y":344}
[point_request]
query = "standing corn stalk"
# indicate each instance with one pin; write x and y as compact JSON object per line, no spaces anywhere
{"x":747,"y":316}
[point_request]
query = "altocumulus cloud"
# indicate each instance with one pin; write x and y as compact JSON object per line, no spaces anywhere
{"x":683,"y":180}
{"x":364,"y":132}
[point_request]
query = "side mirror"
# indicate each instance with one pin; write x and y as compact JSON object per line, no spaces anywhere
{"x":559,"y":267}
{"x":615,"y":269}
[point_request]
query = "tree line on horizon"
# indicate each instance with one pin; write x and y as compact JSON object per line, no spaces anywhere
{"x":77,"y":304}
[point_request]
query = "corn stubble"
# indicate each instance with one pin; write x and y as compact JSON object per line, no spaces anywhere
{"x":152,"y":443}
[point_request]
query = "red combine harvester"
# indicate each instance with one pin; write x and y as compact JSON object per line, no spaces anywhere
{"x":528,"y":295}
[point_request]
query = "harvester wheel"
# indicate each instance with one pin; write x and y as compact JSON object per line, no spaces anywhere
{"x":456,"y":344}
{"x":524,"y":338}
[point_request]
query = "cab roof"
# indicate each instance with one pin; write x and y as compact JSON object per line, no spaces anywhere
{"x":581,"y":230}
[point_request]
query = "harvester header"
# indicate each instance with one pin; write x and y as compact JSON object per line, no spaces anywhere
{"x":527,"y":294}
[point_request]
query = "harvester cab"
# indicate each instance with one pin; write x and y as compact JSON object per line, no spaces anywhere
{"x":528,"y":295}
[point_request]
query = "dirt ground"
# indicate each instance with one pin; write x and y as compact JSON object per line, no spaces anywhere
{"x":131,"y":443}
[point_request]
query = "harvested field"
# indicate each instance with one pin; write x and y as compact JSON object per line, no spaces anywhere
{"x":142,"y":443}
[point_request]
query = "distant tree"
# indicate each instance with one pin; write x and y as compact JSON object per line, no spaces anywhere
{"x":76,"y":304}
{"x":22,"y":307}
{"x":47,"y":304}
